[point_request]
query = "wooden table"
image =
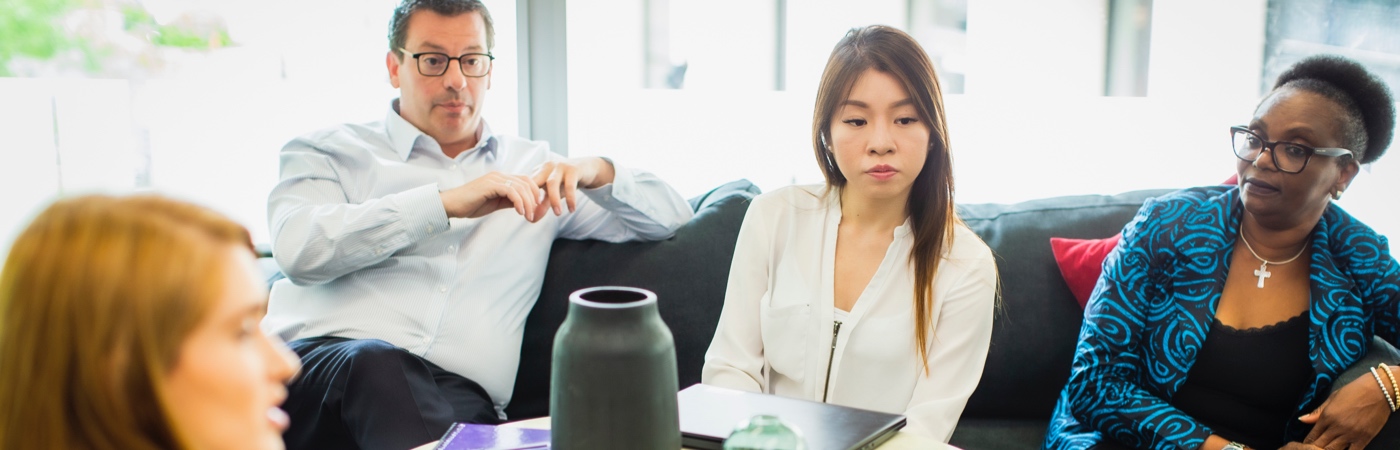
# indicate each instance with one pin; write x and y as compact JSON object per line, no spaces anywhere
{"x":900,"y":441}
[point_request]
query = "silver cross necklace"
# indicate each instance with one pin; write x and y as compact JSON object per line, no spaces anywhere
{"x":1263,"y":271}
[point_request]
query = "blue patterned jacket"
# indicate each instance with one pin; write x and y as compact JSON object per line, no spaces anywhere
{"x":1153,"y":305}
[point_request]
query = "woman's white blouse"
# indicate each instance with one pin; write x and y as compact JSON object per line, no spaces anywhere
{"x":775,"y":333}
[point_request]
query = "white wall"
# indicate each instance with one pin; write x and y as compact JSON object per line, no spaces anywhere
{"x":29,"y":175}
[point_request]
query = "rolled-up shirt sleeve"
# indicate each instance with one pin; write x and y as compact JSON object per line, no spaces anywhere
{"x":635,"y":206}
{"x":319,"y":235}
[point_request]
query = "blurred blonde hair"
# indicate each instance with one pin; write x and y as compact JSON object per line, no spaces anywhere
{"x":96,"y":299}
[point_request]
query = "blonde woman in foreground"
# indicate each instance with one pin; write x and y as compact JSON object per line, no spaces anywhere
{"x":132,"y":323}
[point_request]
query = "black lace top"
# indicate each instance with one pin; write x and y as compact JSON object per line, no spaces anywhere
{"x":1246,"y":384}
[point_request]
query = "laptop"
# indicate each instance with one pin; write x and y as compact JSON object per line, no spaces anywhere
{"x":708,"y":414}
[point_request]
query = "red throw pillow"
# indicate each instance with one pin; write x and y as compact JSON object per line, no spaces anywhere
{"x":1081,"y":262}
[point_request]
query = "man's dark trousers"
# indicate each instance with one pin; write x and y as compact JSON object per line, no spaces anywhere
{"x":368,"y":394}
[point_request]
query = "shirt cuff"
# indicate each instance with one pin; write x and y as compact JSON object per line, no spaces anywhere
{"x":616,"y":193}
{"x":422,"y":212}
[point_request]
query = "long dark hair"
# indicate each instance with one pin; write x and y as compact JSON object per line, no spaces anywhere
{"x":932,"y":215}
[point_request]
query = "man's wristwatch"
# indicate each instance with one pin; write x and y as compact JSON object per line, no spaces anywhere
{"x":1234,"y":446}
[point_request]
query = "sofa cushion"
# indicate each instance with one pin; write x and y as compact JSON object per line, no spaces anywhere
{"x":1037,"y":322}
{"x":1081,"y":262}
{"x":688,"y":273}
{"x":999,"y":433}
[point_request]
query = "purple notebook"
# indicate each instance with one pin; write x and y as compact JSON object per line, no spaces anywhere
{"x":466,"y":436}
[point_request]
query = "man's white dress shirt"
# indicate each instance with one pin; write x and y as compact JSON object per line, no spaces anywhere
{"x":360,"y":231}
{"x":775,"y":334}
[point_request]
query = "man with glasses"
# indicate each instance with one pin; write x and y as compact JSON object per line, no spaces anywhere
{"x":407,"y":287}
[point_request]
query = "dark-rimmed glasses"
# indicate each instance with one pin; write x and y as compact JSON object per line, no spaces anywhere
{"x":434,"y":64}
{"x":1288,"y":157}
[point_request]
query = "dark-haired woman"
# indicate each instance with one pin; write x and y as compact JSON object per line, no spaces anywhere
{"x":868,"y":291}
{"x":1226,"y":314}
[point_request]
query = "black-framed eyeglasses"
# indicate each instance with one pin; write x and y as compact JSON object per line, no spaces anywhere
{"x":1288,"y":157}
{"x":434,"y":64}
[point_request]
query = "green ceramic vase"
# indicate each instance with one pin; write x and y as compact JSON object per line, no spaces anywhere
{"x":613,"y":383}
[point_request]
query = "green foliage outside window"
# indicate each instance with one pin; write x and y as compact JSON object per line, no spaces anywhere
{"x":30,"y":28}
{"x":68,"y":35}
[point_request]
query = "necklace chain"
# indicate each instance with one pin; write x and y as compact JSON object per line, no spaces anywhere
{"x":1265,"y":261}
{"x":1263,"y":271}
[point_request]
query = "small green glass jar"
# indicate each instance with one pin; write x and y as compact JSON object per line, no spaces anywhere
{"x":765,"y":432}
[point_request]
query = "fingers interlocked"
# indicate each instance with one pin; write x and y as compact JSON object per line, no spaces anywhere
{"x":522,"y":194}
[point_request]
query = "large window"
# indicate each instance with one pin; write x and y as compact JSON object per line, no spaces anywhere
{"x":1365,"y":30}
{"x":1045,"y":98}
{"x":107,"y":105}
{"x":195,"y":99}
